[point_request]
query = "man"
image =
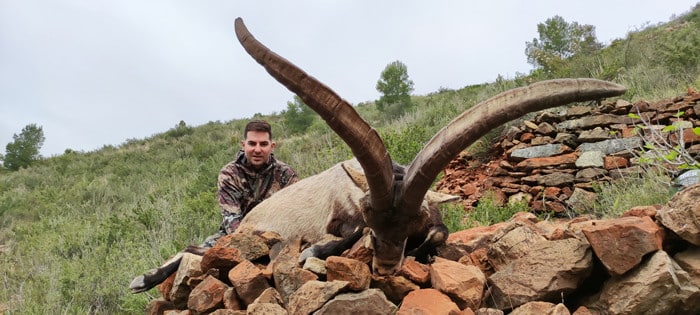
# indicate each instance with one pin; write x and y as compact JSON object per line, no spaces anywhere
{"x":252,"y":177}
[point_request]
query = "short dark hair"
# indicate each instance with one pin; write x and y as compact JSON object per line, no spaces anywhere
{"x":257,"y":125}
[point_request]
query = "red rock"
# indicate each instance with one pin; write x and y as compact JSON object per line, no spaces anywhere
{"x":542,"y":162}
{"x":248,"y":280}
{"x":641,"y":211}
{"x":159,"y":306}
{"x":361,"y":250}
{"x":345,"y":269}
{"x":166,"y":286}
{"x":222,"y":258}
{"x":621,"y":243}
{"x":394,"y":287}
{"x":464,"y":284}
{"x":207,"y":295}
{"x":615,"y":162}
{"x":415,"y":271}
{"x":427,"y":301}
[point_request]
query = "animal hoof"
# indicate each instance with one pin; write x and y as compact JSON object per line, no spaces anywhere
{"x":138,"y":285}
{"x":146,"y":281}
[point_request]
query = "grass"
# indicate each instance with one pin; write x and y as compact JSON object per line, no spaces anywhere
{"x":615,"y":198}
{"x":488,"y":211}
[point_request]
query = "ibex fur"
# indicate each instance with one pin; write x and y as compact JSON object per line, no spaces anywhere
{"x":331,"y":202}
{"x":392,"y":206}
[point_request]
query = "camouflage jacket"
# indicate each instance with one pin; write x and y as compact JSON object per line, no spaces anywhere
{"x":241,"y":187}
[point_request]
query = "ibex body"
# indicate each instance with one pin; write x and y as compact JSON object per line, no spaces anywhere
{"x":331,"y":202}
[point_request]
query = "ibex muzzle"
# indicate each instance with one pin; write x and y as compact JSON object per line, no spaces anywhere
{"x":392,"y":206}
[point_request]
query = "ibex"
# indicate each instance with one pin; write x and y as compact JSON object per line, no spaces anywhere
{"x":395,"y":202}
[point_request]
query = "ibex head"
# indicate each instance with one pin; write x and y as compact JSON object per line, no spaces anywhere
{"x":392,"y":205}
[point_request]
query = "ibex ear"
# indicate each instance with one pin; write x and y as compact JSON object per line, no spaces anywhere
{"x":357,"y":177}
{"x":437,"y":198}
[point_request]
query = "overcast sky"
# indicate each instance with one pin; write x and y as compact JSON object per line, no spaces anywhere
{"x":98,"y":72}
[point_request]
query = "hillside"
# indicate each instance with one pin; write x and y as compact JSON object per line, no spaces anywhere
{"x":75,"y":228}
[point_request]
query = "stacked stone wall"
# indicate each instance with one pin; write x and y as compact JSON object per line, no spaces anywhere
{"x":555,"y":160}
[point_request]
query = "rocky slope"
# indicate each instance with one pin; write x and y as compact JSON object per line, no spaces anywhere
{"x":644,"y":262}
{"x":553,"y":161}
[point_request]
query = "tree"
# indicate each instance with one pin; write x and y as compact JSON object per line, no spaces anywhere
{"x":24,"y":150}
{"x":558,"y":41}
{"x":298,"y":117}
{"x":395,"y":87}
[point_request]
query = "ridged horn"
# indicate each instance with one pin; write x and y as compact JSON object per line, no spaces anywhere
{"x":363,"y":140}
{"x":480,"y":119}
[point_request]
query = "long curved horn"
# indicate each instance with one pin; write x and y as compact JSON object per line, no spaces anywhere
{"x":362,"y":139}
{"x":480,"y":119}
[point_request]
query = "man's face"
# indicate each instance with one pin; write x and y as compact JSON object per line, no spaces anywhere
{"x":257,"y":147}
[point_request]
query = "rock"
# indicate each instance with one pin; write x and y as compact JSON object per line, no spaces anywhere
{"x":512,"y":243}
{"x":464,"y":284}
{"x":566,"y":138}
{"x":642,"y":211}
{"x":158,"y":306}
{"x":546,"y":128}
{"x":478,"y":237}
{"x":634,"y":237}
{"x":689,"y":136}
{"x":231,"y":300}
{"x":361,"y":250}
{"x":312,"y":295}
{"x":288,"y":279}
{"x":582,"y":310}
{"x":315,"y":265}
{"x":248,"y":280}
{"x":590,"y":174}
{"x":488,"y":311}
{"x":415,"y":271}
{"x":530,"y":124}
{"x":545,"y":150}
{"x":207,"y":296}
{"x":628,"y":172}
{"x":576,"y":111}
{"x":269,"y":302}
{"x":549,"y":270}
{"x":564,"y":160}
{"x":394,"y":287}
{"x":355,"y":272}
{"x":593,"y":135}
{"x":222,"y":258}
{"x":682,"y":214}
{"x":427,"y":301}
{"x":287,"y":276}
{"x":657,"y":286}
{"x":266,"y":309}
{"x":689,"y":260}
{"x":539,"y":307}
{"x":270,"y":295}
{"x":612,"y":146}
{"x":251,"y":247}
{"x":189,"y":268}
{"x":589,"y":122}
{"x":371,"y":301}
{"x":590,"y":159}
{"x":581,"y":199}
{"x":615,"y":162}
{"x":556,"y":179}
